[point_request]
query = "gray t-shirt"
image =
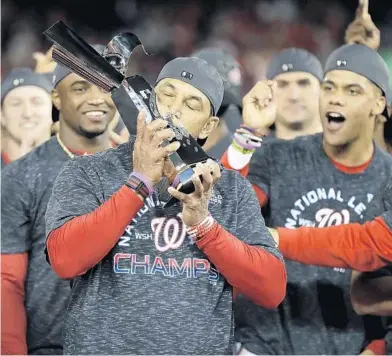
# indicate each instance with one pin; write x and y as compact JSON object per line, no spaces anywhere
{"x":306,"y":189}
{"x":155,"y":292}
{"x":26,"y":185}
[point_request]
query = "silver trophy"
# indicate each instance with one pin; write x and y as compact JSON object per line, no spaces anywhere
{"x":108,"y":71}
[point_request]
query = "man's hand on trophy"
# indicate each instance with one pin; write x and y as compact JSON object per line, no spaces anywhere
{"x":149,"y":154}
{"x":195,"y":205}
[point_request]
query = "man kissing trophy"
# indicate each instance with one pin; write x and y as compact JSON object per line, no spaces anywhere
{"x":108,"y":71}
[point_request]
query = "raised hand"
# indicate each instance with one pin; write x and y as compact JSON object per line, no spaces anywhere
{"x":260,"y":105}
{"x":44,"y":62}
{"x":363,"y":30}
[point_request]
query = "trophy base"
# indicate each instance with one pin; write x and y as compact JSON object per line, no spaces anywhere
{"x":185,"y":184}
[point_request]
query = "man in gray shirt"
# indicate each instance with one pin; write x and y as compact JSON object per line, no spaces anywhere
{"x":326,"y":179}
{"x":33,"y":297}
{"x":148,"y":279}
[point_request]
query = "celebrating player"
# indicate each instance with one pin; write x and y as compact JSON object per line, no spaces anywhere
{"x":153,"y":280}
{"x":321,"y":180}
{"x":33,"y":298}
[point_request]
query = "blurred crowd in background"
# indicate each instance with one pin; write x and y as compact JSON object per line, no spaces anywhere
{"x":251,"y":30}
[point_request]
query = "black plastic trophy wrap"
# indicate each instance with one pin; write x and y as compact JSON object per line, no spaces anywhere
{"x":108,"y":71}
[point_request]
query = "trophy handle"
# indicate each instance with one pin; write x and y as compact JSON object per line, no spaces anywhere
{"x":119,"y":50}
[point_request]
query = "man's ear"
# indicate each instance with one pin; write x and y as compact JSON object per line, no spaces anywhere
{"x":379,"y":106}
{"x":209,"y":126}
{"x":56,"y":99}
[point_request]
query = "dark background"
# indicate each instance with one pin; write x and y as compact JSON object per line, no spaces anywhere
{"x":252,"y":30}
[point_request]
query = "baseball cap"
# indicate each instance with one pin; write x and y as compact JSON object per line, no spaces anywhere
{"x":19,"y":77}
{"x":361,"y":60}
{"x":294,"y":60}
{"x":388,"y":94}
{"x":61,"y":72}
{"x":230,"y":71}
{"x":198,"y":73}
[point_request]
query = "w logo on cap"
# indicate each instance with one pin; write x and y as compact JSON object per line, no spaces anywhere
{"x":18,"y":81}
{"x":287,"y":67}
{"x":186,"y":75}
{"x":341,"y":63}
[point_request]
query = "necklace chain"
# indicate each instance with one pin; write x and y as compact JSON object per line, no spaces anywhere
{"x":64,"y":147}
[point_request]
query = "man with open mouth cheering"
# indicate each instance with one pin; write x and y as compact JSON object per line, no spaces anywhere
{"x":332,"y":178}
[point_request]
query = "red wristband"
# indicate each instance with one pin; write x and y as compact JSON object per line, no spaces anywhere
{"x":198,"y":231}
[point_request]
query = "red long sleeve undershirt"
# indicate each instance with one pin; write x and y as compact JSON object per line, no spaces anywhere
{"x":251,"y":270}
{"x":365,"y":247}
{"x":13,"y":313}
{"x":82,"y":242}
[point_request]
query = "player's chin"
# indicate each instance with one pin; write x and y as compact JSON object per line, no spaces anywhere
{"x":91,"y":131}
{"x":95,"y":124}
{"x":292,"y":118}
{"x":296,"y":122}
{"x":335,"y":139}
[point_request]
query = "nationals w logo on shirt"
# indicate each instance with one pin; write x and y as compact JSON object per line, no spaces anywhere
{"x":169,"y":233}
{"x":309,"y":204}
{"x":148,"y":243}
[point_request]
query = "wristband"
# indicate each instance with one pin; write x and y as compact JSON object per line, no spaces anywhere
{"x":240,"y":149}
{"x":140,"y":184}
{"x":176,"y":182}
{"x":198,"y":231}
{"x":248,"y":128}
{"x":247,"y":142}
{"x":253,"y":131}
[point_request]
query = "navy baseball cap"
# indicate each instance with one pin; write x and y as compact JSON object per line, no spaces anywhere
{"x":20,"y":77}
{"x":361,"y":60}
{"x":294,"y":60}
{"x":198,"y":73}
{"x":61,"y":72}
